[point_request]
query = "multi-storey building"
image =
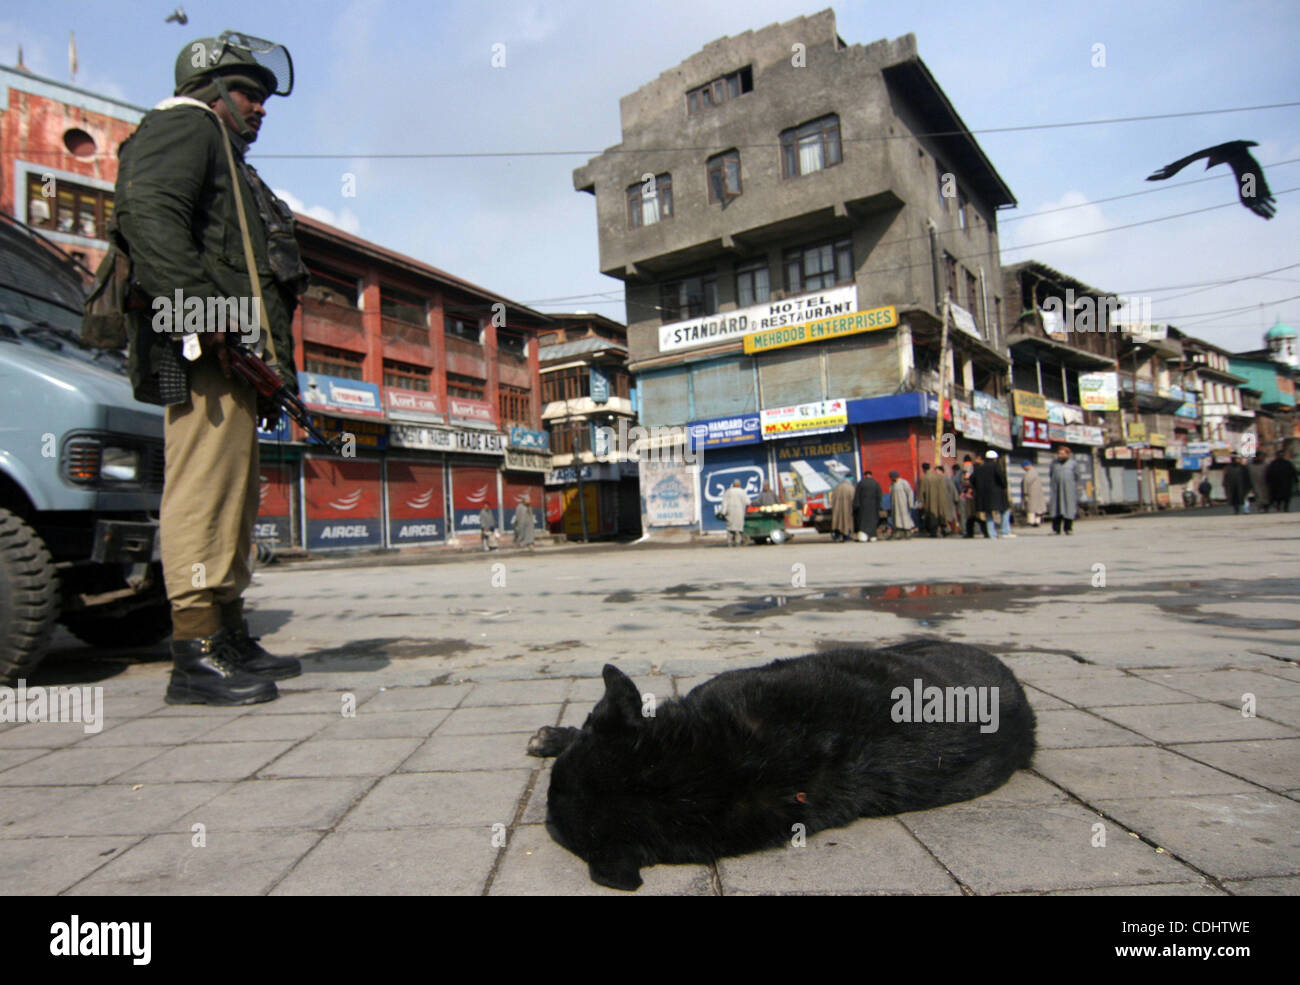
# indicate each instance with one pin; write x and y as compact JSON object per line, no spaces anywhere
{"x":1272,"y":371}
{"x":1065,"y":385}
{"x":58,"y":159}
{"x":587,"y":395}
{"x":792,"y":216}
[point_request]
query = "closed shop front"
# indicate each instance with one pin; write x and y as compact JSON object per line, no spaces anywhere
{"x":472,"y":488}
{"x":719,"y":468}
{"x":416,"y":502}
{"x":344,"y":503}
{"x":275,"y":505}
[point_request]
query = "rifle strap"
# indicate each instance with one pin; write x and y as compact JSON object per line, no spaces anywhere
{"x":249,"y":258}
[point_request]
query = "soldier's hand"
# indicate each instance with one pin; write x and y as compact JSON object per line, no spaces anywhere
{"x":215,"y":342}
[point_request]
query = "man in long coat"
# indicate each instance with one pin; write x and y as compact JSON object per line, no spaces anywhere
{"x":1031,"y":494}
{"x":1259,"y":483}
{"x":990,"y":492}
{"x":902,"y":501}
{"x":524,"y":533}
{"x":866,"y":504}
{"x":936,"y":500}
{"x":842,"y":511}
{"x":734,"y":505}
{"x":1281,"y":478}
{"x":1064,"y":504}
{"x":1235,"y":483}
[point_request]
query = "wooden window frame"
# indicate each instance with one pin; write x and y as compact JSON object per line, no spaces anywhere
{"x":827,"y":129}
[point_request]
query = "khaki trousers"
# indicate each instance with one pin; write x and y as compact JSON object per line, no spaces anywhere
{"x":210,"y":500}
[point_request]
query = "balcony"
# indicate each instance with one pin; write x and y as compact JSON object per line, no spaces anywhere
{"x":330,"y":323}
{"x":395,"y":330}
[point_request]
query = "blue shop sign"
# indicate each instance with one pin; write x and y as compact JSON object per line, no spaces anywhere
{"x":739,"y":429}
{"x":599,"y":385}
{"x":526,"y":438}
{"x":278,"y":433}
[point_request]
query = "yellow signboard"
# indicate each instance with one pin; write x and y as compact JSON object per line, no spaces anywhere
{"x":1137,"y":431}
{"x":1030,"y":404}
{"x":823,"y":329}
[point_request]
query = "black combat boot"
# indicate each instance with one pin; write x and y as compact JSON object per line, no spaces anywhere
{"x":206,"y":672}
{"x":251,"y":658}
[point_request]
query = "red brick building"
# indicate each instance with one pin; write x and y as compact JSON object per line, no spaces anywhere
{"x":58,"y":158}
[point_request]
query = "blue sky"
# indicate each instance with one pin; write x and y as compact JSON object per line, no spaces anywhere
{"x":398,"y":76}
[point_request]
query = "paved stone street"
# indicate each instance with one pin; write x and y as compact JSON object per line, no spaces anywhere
{"x":1137,"y":640}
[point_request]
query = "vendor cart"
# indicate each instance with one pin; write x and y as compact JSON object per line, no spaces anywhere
{"x":768,"y":523}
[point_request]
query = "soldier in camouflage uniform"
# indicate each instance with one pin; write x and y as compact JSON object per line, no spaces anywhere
{"x":176,"y":212}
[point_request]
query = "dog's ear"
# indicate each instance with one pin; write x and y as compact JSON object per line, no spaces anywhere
{"x":620,"y":708}
{"x":615,"y":870}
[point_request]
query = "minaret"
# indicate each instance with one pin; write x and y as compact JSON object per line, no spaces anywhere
{"x":1281,"y":340}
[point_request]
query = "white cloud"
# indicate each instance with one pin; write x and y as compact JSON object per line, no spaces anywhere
{"x":344,"y":219}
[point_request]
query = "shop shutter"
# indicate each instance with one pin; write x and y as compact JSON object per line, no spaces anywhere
{"x":664,"y":398}
{"x":791,"y":377}
{"x":861,"y":368}
{"x":724,"y":388}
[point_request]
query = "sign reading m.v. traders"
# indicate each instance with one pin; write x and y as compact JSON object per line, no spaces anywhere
{"x":732,"y":325}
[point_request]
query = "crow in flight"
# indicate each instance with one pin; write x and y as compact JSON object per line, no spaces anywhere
{"x":1235,"y":155}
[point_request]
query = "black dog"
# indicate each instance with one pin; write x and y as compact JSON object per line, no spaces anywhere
{"x":816,"y":741}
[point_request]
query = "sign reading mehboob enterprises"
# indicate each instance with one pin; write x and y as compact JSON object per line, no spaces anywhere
{"x":825,"y":328}
{"x":814,"y":418}
{"x":728,"y":326}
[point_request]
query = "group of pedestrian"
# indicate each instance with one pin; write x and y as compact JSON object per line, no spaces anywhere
{"x":1265,"y":485}
{"x":525,"y":528}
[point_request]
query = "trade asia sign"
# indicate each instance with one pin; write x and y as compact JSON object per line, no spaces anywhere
{"x":729,"y":326}
{"x":818,"y":417}
{"x":822,"y":330}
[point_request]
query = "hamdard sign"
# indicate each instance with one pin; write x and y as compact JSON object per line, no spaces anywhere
{"x":731,"y":326}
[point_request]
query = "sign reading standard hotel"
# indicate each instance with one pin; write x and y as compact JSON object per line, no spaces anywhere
{"x":727,"y":326}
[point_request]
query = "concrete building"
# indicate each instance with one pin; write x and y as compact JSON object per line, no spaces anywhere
{"x":789,"y":214}
{"x":1065,"y":385}
{"x":587,"y":393}
{"x":1272,"y":371}
{"x":58,"y":159}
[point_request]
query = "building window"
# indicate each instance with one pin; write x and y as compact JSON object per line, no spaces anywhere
{"x":73,"y":209}
{"x":329,"y":361}
{"x":721,"y":90}
{"x":972,"y":295}
{"x":649,"y":201}
{"x":408,"y":376}
{"x":811,"y":147}
{"x":724,"y":176}
{"x":403,"y":307}
{"x":950,"y":276}
{"x":571,"y":383}
{"x":813,"y":268}
{"x":515,"y":404}
{"x":332,"y":286}
{"x":512,"y":343}
{"x":466,"y":387}
{"x":691,"y":297}
{"x":961,"y":208}
{"x":753,"y":283}
{"x":461,"y":326}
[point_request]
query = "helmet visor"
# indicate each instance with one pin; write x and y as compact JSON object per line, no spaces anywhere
{"x":269,"y":55}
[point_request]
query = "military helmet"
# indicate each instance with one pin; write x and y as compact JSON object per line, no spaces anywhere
{"x":234,"y":53}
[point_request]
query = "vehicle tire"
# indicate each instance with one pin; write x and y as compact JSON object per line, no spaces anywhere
{"x":29,"y":598}
{"x":141,"y":627}
{"x":778,"y":536}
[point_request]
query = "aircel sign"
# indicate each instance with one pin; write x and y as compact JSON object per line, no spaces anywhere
{"x":729,"y":326}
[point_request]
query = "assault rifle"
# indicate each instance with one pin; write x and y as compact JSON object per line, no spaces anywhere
{"x":249,"y":366}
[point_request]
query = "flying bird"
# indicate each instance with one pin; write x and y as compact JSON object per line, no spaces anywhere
{"x":1235,"y":155}
{"x":177,"y":16}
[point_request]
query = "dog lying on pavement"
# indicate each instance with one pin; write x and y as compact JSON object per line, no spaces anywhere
{"x":747,"y":758}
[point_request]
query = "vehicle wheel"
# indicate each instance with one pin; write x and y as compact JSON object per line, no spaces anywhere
{"x":141,"y":627}
{"x":29,"y":598}
{"x":778,"y":536}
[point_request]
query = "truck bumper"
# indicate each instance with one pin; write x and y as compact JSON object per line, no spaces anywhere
{"x":126,"y":542}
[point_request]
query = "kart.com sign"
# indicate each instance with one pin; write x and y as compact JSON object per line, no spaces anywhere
{"x":729,"y":326}
{"x":816,"y":418}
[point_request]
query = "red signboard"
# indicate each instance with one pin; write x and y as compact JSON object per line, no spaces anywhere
{"x":273,"y":504}
{"x":472,"y":488}
{"x":415,"y":405}
{"x":344,"y":504}
{"x":514,"y":487}
{"x":415,"y":503}
{"x":470,"y":410}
